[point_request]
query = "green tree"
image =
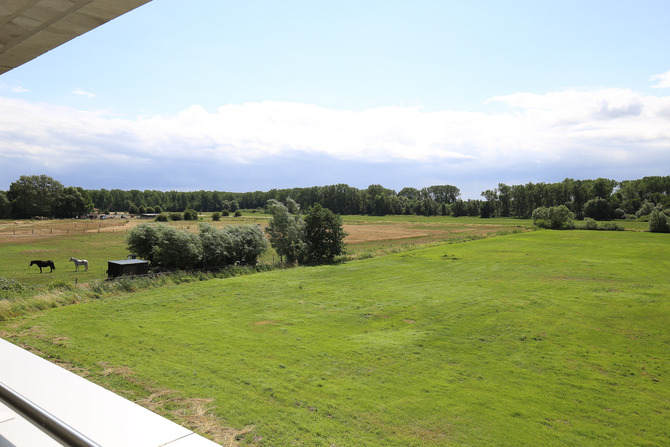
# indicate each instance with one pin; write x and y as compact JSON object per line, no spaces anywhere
{"x":5,"y":206}
{"x":72,"y":202}
{"x":247,"y":243}
{"x":286,"y":232}
{"x":555,"y":217}
{"x":177,"y":249}
{"x":34,"y":195}
{"x":324,"y":235}
{"x":598,"y":209}
{"x":659,"y":222}
{"x":142,"y":239}
{"x":487,"y":210}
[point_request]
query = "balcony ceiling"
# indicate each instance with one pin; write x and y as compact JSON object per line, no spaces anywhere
{"x":29,"y":28}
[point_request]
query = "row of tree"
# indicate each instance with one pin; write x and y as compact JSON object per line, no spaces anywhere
{"x":341,"y":199}
{"x":41,"y":195}
{"x":169,"y":248}
{"x":316,"y":238}
{"x":600,"y":199}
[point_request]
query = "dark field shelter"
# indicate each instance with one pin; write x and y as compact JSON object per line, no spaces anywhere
{"x":127,"y":267}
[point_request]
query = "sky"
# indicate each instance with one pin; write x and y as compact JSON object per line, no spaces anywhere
{"x":258,"y":94}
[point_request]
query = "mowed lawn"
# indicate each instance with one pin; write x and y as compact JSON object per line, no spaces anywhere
{"x":543,"y":338}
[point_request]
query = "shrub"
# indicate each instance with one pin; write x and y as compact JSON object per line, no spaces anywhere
{"x":659,"y":222}
{"x":248,"y":242}
{"x":225,"y":213}
{"x":176,"y":216}
{"x":555,"y":217}
{"x":176,"y":249}
{"x":590,"y":224}
{"x":142,"y":239}
{"x":216,"y":216}
{"x":619,"y":213}
{"x":646,"y":209}
{"x":162,"y":217}
{"x":238,"y":213}
{"x":190,"y":214}
{"x":611,"y":226}
{"x":166,"y":247}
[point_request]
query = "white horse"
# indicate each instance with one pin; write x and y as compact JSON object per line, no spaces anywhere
{"x":78,"y":262}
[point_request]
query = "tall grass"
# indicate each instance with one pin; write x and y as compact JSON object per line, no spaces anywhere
{"x":18,"y":299}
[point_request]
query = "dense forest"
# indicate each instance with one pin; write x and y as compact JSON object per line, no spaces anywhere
{"x":600,"y":199}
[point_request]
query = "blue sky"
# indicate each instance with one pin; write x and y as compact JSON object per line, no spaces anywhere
{"x":254,"y":95}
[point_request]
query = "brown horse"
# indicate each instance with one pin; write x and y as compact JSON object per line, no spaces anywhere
{"x":41,"y":264}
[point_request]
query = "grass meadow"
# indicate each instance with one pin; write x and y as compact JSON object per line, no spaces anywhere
{"x":102,"y":241}
{"x":549,"y":338}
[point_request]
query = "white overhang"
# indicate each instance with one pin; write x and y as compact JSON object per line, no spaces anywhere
{"x":29,"y":28}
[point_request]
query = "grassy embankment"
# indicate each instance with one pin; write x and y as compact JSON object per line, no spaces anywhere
{"x":543,"y":338}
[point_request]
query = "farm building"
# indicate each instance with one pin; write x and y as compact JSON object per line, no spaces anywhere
{"x":127,"y":267}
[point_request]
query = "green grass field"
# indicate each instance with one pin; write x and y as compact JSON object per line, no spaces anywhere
{"x":543,"y":338}
{"x":102,"y":241}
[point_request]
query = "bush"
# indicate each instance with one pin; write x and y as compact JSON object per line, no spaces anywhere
{"x":659,"y":222}
{"x":248,"y":242}
{"x":555,"y":218}
{"x":619,"y":213}
{"x":162,"y":217}
{"x":176,"y":216}
{"x":216,"y":216}
{"x":166,"y":247}
{"x":645,"y":210}
{"x":590,"y":224}
{"x":610,"y":226}
{"x":225,"y":213}
{"x":190,"y":214}
{"x":176,"y":249}
{"x":238,"y":213}
{"x":142,"y":239}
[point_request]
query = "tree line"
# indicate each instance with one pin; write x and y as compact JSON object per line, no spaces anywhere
{"x":599,"y":199}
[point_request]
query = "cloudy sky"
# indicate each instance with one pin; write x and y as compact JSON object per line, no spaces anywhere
{"x":253,"y":95}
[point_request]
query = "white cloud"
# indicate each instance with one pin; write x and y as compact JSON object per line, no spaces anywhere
{"x":609,"y":129}
{"x":663,"y":80}
{"x":81,"y":92}
{"x":20,"y":90}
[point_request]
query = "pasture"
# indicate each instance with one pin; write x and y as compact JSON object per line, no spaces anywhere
{"x":99,"y":241}
{"x":537,"y":338}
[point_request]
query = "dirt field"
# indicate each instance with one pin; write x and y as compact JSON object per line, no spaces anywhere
{"x":360,"y":233}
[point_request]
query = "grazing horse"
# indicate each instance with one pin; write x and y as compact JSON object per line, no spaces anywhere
{"x":41,"y":264}
{"x":78,"y":262}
